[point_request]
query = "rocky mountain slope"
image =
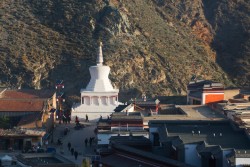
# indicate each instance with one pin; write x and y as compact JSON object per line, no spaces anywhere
{"x":152,"y":46}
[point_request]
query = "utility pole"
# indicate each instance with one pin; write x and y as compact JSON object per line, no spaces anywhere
{"x":59,"y":98}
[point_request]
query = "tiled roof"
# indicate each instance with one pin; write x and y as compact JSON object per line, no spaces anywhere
{"x":23,"y":100}
{"x":195,"y":94}
{"x":245,"y":92}
{"x":149,"y":156}
{"x":120,"y":107}
{"x":103,"y":123}
{"x":21,"y":132}
{"x":213,"y":133}
{"x":30,"y":118}
{"x":21,"y":105}
{"x":147,"y":102}
{"x":205,"y":148}
{"x":26,"y":94}
{"x":130,"y":140}
{"x":203,"y":84}
{"x":116,"y":159}
{"x":44,"y":159}
{"x":126,"y":116}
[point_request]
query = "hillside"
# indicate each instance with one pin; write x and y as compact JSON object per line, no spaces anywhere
{"x":152,"y":46}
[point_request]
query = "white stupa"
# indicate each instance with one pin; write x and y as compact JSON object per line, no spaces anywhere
{"x":99,"y":98}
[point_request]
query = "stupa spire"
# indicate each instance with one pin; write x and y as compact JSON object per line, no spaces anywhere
{"x":99,"y":59}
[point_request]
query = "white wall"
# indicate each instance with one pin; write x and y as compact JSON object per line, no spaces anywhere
{"x":111,"y":100}
{"x":131,"y":109}
{"x":103,"y":138}
{"x":87,"y":100}
{"x":191,"y":155}
{"x":95,"y":100}
{"x":242,"y":161}
{"x":125,"y":128}
{"x":104,"y":100}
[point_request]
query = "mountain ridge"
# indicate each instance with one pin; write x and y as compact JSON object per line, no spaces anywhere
{"x":152,"y":46}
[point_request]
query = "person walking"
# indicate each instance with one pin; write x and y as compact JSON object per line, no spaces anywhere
{"x":69,"y":118}
{"x":86,"y":142}
{"x":76,"y":155}
{"x":90,"y":141}
{"x":69,"y":145}
{"x":87,"y":118}
{"x":77,"y":120}
{"x":72,"y":151}
{"x":59,"y":142}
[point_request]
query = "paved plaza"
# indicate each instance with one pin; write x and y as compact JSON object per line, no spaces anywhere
{"x":76,"y":138}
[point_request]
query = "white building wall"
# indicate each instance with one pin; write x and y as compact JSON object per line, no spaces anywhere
{"x":95,"y":100}
{"x":131,"y":109}
{"x":103,"y":138}
{"x":191,"y":155}
{"x":103,"y":100}
{"x":87,"y":100}
{"x":246,"y":119}
{"x":239,"y":162}
{"x":111,"y":100}
{"x":92,"y":115}
{"x":126,"y":128}
{"x":203,"y":98}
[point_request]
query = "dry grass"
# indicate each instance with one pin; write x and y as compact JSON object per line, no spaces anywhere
{"x":149,"y":44}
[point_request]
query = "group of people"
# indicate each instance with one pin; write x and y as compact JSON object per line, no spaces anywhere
{"x":90,"y":141}
{"x":86,"y":119}
{"x":86,"y":141}
{"x":65,"y":117}
{"x":72,"y":150}
{"x":108,"y":117}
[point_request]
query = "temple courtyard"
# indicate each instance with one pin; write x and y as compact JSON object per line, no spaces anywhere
{"x":76,"y":138}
